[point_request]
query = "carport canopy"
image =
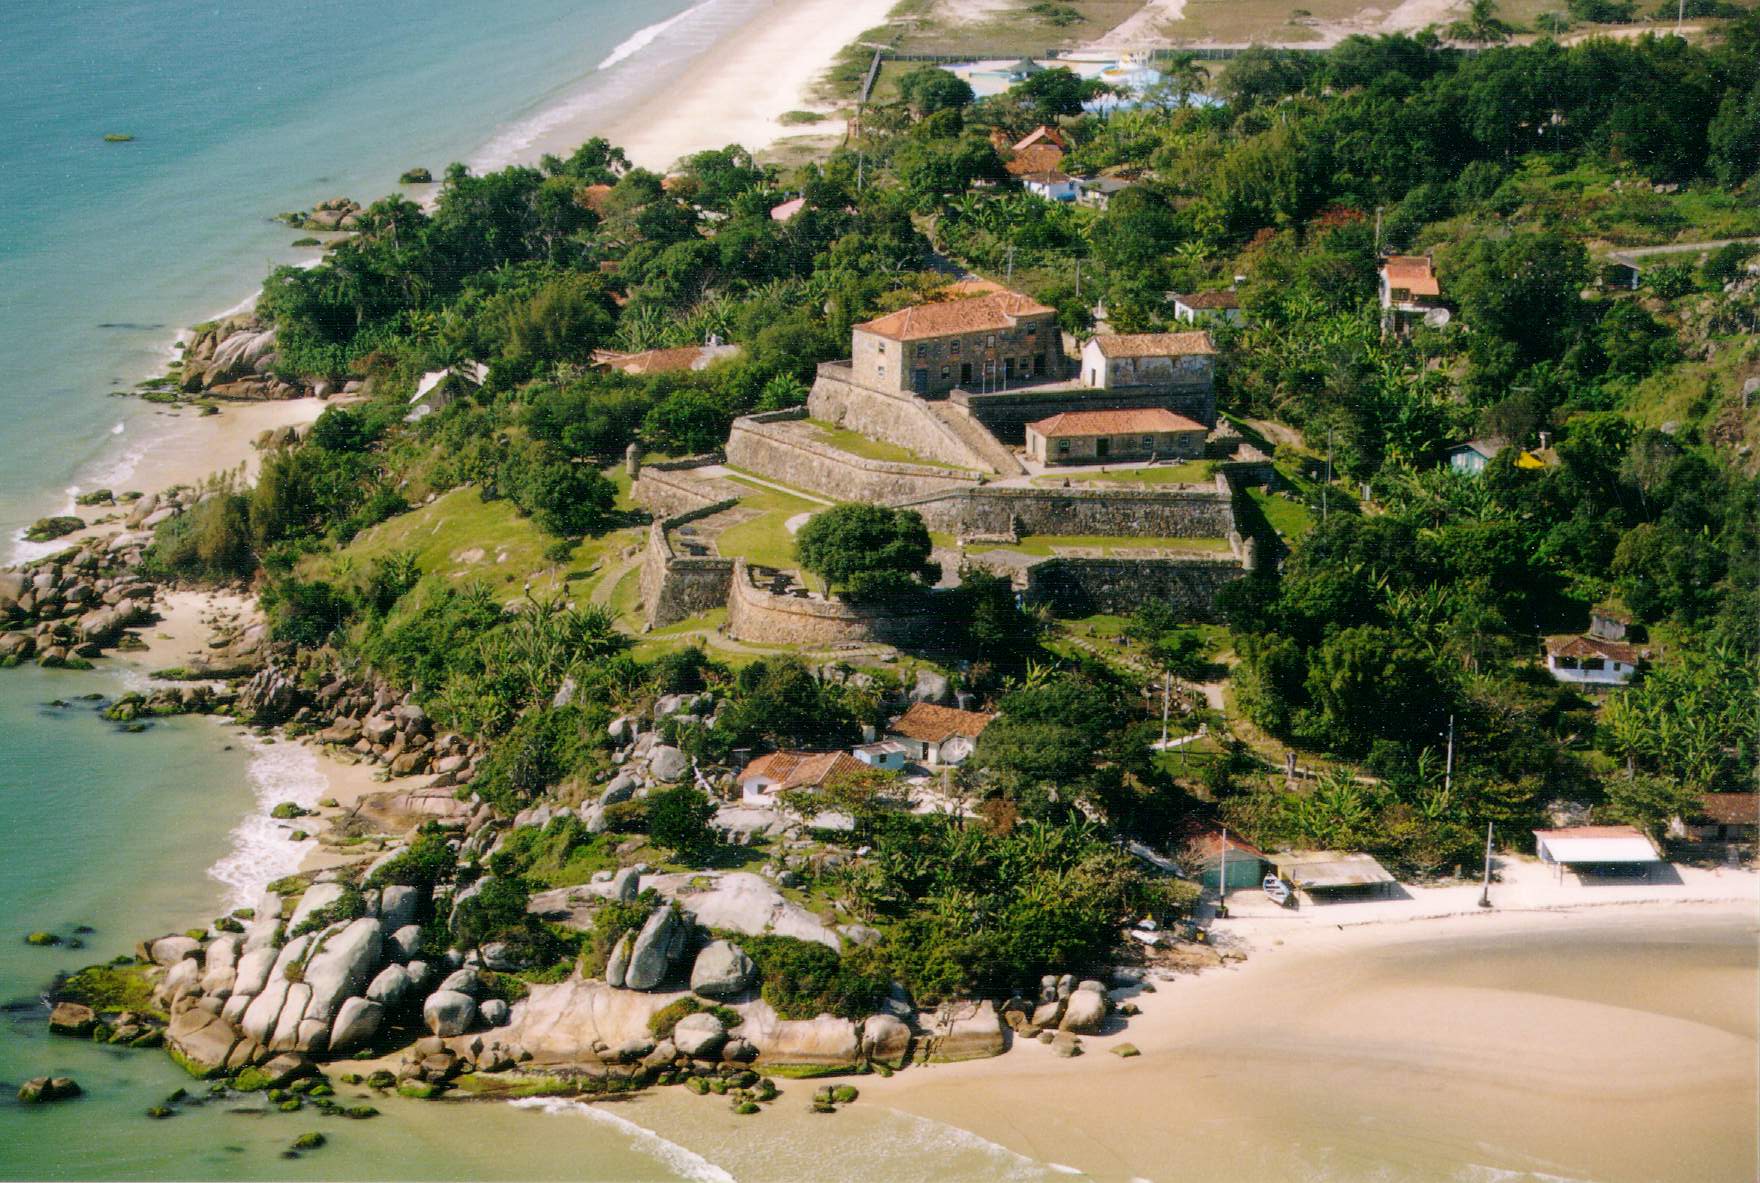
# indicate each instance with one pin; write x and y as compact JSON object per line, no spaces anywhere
{"x":1595,"y":844}
{"x":1325,"y":871}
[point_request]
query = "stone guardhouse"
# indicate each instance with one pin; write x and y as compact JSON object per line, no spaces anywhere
{"x":1100,"y":437}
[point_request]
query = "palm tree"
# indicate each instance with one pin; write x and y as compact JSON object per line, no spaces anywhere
{"x":1481,"y":24}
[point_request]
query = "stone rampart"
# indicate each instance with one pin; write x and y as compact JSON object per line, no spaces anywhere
{"x":900,"y":419}
{"x":789,"y":451}
{"x":765,"y":618}
{"x":675,"y":587}
{"x":1006,"y":413}
{"x":669,"y":492}
{"x":1185,"y":512}
{"x":1076,"y":587}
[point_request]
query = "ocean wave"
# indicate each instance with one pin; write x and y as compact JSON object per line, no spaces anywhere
{"x":644,"y":37}
{"x":262,"y":849}
{"x":686,"y":1162}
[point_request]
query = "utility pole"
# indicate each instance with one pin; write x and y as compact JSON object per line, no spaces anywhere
{"x":1485,"y":891}
{"x":1448,"y":765}
{"x":1078,"y":277}
{"x":1164,"y":686}
{"x":1222,"y":877}
{"x":1011,"y":263}
{"x":1378,"y":210}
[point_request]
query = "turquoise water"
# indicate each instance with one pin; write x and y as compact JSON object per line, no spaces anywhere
{"x":240,"y":110}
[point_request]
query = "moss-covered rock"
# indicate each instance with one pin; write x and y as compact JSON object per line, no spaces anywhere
{"x":310,"y":1140}
{"x":843,"y":1094}
{"x":42,"y":939}
{"x":251,"y":1080}
{"x":50,"y":528}
{"x":420,"y":1090}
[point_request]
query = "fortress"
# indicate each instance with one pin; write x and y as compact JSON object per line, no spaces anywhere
{"x":1094,"y":482}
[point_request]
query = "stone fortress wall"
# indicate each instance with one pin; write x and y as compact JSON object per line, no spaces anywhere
{"x":766,"y":618}
{"x":1176,"y":512}
{"x":783,"y":448}
{"x":676,"y":587}
{"x":902,"y":419}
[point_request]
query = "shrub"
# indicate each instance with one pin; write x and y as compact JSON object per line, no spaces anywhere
{"x":802,"y":979}
{"x":429,"y":860}
{"x":678,"y":818}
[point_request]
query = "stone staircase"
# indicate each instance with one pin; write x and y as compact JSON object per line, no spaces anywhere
{"x":976,"y":437}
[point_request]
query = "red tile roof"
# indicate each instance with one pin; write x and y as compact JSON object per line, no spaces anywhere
{"x":1037,"y":159}
{"x":990,"y":312}
{"x":1207,"y":847}
{"x":795,"y":770}
{"x":665,"y":361}
{"x":1732,"y":809}
{"x":1188,"y":344}
{"x":929,"y":723}
{"x":1148,"y":419}
{"x":1414,"y":273}
{"x":1040,"y":135}
{"x":1575,"y":646}
{"x":1209,"y":300}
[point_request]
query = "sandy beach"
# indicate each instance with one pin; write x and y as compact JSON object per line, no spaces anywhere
{"x":1562,"y":1042}
{"x":737,"y":91}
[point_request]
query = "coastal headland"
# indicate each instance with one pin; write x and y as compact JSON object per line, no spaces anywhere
{"x":668,"y":723}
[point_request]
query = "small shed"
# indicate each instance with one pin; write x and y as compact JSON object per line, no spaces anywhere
{"x":1472,"y":457}
{"x":1597,"y":850}
{"x":1210,"y":856}
{"x":1329,"y":875}
{"x":885,"y":753}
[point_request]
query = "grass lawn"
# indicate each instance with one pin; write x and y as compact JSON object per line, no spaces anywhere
{"x":764,"y":539}
{"x":1193,"y":472}
{"x":1014,"y":27}
{"x":459,"y":538}
{"x":1254,"y":20}
{"x":857,"y":444}
{"x":1289,"y":518}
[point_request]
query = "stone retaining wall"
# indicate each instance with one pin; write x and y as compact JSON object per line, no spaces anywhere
{"x":665,"y":493}
{"x":676,"y":587}
{"x":1157,"y":513}
{"x":1076,"y":587}
{"x":764,"y":618}
{"x":787,"y":451}
{"x":900,"y":419}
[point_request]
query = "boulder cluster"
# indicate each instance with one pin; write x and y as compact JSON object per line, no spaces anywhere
{"x":65,"y":610}
{"x":316,"y":983}
{"x":233,"y":358}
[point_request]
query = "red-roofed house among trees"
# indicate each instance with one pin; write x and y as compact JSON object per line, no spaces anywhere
{"x":1410,"y":290}
{"x":762,"y":780}
{"x":1591,"y":661}
{"x":938,"y":735}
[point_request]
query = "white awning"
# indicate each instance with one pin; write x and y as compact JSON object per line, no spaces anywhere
{"x":1561,"y":846}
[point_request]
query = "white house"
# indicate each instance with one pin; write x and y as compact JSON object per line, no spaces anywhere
{"x":1114,"y":360}
{"x":934,"y":734}
{"x":1590,"y":661}
{"x":1052,"y":184}
{"x":1195,"y":307}
{"x":888,"y":754}
{"x":767,"y":777}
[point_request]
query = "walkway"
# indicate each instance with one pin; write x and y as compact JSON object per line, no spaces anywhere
{"x":721,"y":470}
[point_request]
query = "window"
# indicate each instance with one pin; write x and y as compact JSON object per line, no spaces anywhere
{"x":1594,"y":663}
{"x":1566,"y":663}
{"x":882,"y":371}
{"x":922,"y":351}
{"x":1148,"y":443}
{"x":990,"y":341}
{"x":953,"y":348}
{"x":1063,"y":447}
{"x":1033,"y":329}
{"x":946,"y":373}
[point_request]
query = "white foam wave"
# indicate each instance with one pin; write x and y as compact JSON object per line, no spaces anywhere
{"x":642,"y":38}
{"x":686,"y":1162}
{"x":263,"y":849}
{"x":1008,"y":1165}
{"x":118,"y":429}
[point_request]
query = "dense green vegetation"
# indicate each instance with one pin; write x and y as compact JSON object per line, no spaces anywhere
{"x":1411,"y":599}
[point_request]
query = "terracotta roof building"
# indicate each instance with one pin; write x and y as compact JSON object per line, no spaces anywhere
{"x":1192,"y":307}
{"x":1085,"y":437}
{"x":994,"y":339}
{"x":937,"y":734}
{"x":1114,"y":361}
{"x":1037,"y":159}
{"x":780,"y":772}
{"x":665,"y":361}
{"x":1591,"y":661}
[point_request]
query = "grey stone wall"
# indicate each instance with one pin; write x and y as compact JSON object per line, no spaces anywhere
{"x":665,"y":493}
{"x":1077,"y":587}
{"x":675,"y":587}
{"x":789,"y":452}
{"x":900,"y":419}
{"x":1159,"y":513}
{"x":1006,"y":413}
{"x":761,"y":617}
